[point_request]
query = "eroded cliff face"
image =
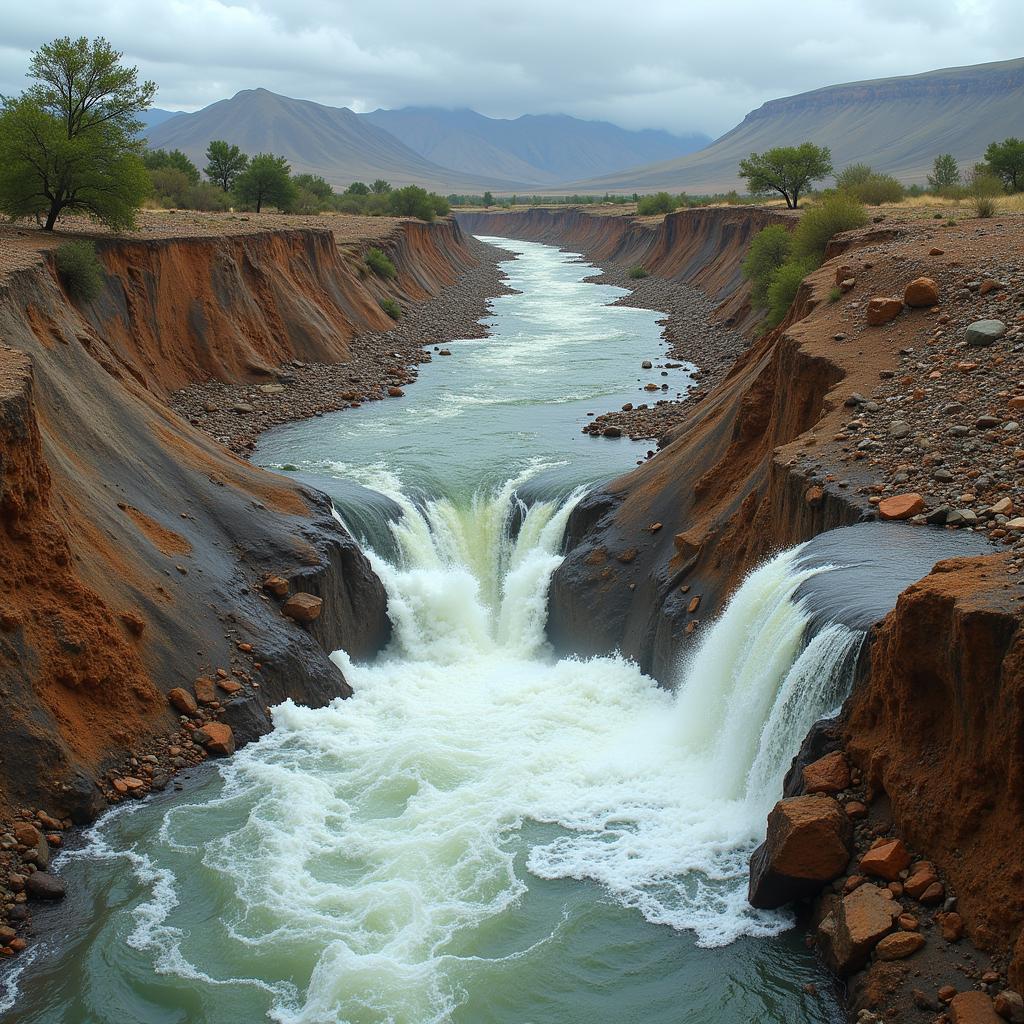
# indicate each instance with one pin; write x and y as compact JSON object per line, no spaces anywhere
{"x":939,"y":728}
{"x":134,"y":546}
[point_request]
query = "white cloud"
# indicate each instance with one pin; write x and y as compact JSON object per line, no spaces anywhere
{"x":696,"y":66}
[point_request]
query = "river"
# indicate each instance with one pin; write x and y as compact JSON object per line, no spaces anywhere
{"x":484,"y":832}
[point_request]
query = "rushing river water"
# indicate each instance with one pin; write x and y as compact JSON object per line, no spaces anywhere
{"x":483,"y":833}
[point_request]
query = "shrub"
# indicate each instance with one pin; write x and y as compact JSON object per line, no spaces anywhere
{"x":769,"y":249}
{"x":984,"y":206}
{"x":205,"y":196}
{"x":838,"y":211}
{"x":876,"y":189}
{"x":835,"y":293}
{"x":80,"y":270}
{"x":660,"y":202}
{"x":784,"y":286}
{"x":380,"y":264}
{"x":392,"y":308}
{"x":413,"y":201}
{"x":637,"y":272}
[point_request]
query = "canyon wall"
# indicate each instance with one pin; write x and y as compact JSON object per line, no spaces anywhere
{"x":134,"y":546}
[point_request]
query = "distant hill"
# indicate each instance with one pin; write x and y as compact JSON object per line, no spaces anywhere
{"x":897,"y":125}
{"x":154,"y":116}
{"x":544,"y":149}
{"x":330,"y":141}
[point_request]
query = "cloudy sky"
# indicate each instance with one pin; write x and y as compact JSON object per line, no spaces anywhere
{"x":684,"y":66}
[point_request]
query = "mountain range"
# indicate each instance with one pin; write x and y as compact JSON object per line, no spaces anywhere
{"x":897,"y":125}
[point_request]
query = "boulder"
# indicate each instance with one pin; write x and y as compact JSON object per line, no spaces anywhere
{"x":829,"y":774}
{"x":882,"y":309}
{"x":899,"y":945}
{"x":886,"y":860}
{"x":206,"y":692}
{"x":807,"y":845}
{"x":983,"y":333}
{"x":1010,"y":1006}
{"x":901,"y":506}
{"x":217,"y":738}
{"x":41,"y":885}
{"x":973,"y":1008}
{"x":276,"y":585}
{"x":38,"y":849}
{"x":303,"y":607}
{"x":183,"y":701}
{"x":860,"y":921}
{"x":922,"y":291}
{"x":395,"y":392}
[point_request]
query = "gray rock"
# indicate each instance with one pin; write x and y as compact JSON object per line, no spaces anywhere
{"x":939,"y":516}
{"x":983,"y":333}
{"x":41,"y":885}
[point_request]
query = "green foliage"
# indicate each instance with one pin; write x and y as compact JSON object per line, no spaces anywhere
{"x":636,"y":273}
{"x":945,"y":173}
{"x":984,"y":206}
{"x":380,"y":187}
{"x":837,"y":212}
{"x":835,"y":293}
{"x":413,"y":201}
{"x":788,"y":170}
{"x":267,"y":179}
{"x":392,"y":308}
{"x":315,"y":185}
{"x":175,"y":160}
{"x":868,"y":186}
{"x":380,"y":264}
{"x":981,"y":182}
{"x":660,"y":202}
{"x":68,"y":144}
{"x":487,"y":199}
{"x":357,"y":188}
{"x":769,"y":250}
{"x":80,"y":270}
{"x":169,"y":186}
{"x":784,"y":286}
{"x":1006,"y":160}
{"x":205,"y":196}
{"x":224,"y":163}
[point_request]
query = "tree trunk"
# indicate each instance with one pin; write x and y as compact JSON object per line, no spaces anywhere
{"x":51,"y":217}
{"x":259,"y":204}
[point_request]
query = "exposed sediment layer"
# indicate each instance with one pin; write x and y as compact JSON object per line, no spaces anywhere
{"x":135,"y":545}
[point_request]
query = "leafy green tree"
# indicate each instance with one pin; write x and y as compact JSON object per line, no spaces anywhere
{"x":488,"y":199}
{"x":769,"y":249}
{"x":358,"y":188}
{"x":175,"y":160}
{"x":380,"y":187}
{"x":267,"y":179}
{"x":224,"y":163}
{"x":315,"y":185}
{"x":413,"y":201}
{"x":945,"y":173}
{"x":1006,"y":161}
{"x":69,"y":143}
{"x":660,"y":202}
{"x":788,"y":170}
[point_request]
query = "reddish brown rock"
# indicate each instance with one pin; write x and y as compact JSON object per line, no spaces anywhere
{"x":1010,"y":1006}
{"x":922,"y":875}
{"x":886,"y":860}
{"x":849,"y":934}
{"x":973,"y":1008}
{"x":395,"y":392}
{"x":205,"y":688}
{"x":806,"y":846}
{"x":855,"y":809}
{"x":829,"y":774}
{"x":183,"y":701}
{"x":901,"y":506}
{"x":899,"y":945}
{"x":302,"y":607}
{"x":229,"y":686}
{"x":276,"y":585}
{"x":922,"y":291}
{"x":882,"y":309}
{"x":952,"y":925}
{"x":217,"y":738}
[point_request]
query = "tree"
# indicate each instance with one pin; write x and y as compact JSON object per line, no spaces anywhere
{"x":488,"y":199}
{"x":945,"y":173}
{"x":358,"y":188}
{"x":175,"y":160}
{"x":413,"y":201}
{"x":787,"y":170}
{"x":660,"y":202}
{"x":69,"y":143}
{"x":266,"y":180}
{"x":380,"y":187}
{"x":1006,"y":161}
{"x":315,"y":185}
{"x":224,"y":163}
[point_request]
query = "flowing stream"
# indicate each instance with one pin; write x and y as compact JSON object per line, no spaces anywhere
{"x":484,"y":832}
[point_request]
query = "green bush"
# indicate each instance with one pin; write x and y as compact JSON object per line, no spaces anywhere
{"x":380,"y":264}
{"x":205,"y":196}
{"x":637,"y":272}
{"x":835,"y":293}
{"x":838,"y":211}
{"x":413,"y":201}
{"x":768,"y":251}
{"x":868,"y":186}
{"x":80,"y":270}
{"x":392,"y":308}
{"x":660,"y":202}
{"x":984,"y":206}
{"x":784,"y":285}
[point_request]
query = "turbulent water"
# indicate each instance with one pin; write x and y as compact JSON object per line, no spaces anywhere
{"x":483,"y":833}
